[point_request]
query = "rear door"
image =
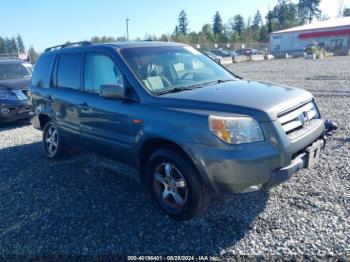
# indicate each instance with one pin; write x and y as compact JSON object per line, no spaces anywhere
{"x":104,"y":122}
{"x":67,"y":85}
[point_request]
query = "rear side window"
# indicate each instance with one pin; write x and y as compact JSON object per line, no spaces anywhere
{"x":42,"y":72}
{"x":68,"y":71}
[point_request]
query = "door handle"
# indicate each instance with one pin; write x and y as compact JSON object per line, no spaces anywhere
{"x":50,"y":99}
{"x":85,"y":107}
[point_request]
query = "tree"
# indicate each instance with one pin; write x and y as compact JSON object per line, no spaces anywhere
{"x":217,"y":24}
{"x":286,"y":14}
{"x":33,"y":55}
{"x":176,"y":32}
{"x":264,"y":35}
{"x":164,"y":38}
{"x":269,"y":19}
{"x":183,"y":23}
{"x":2,"y":45}
{"x":20,"y":44}
{"x":346,"y":12}
{"x":308,"y":9}
{"x":192,"y":37}
{"x":257,"y":21}
{"x":238,"y":24}
{"x":95,"y":39}
{"x":11,"y":45}
{"x":206,"y":35}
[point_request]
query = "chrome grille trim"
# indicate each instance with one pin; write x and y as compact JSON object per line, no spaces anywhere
{"x":298,"y":118}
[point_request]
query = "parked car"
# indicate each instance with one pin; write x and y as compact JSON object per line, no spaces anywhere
{"x":191,"y":127}
{"x":15,"y":76}
{"x":223,"y":53}
{"x":213,"y":56}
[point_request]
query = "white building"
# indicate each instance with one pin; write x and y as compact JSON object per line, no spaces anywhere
{"x":332,"y":34}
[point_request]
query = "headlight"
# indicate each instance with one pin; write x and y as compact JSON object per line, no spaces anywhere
{"x":236,"y":130}
{"x":4,"y":94}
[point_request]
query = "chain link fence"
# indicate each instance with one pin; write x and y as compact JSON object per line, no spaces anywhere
{"x":233,"y":47}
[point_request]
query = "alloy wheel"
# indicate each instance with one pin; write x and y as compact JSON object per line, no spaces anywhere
{"x":51,"y":140}
{"x":170,"y":187}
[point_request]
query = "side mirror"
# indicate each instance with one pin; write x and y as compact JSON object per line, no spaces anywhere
{"x":113,"y":91}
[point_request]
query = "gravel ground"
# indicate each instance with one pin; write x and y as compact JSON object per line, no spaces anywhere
{"x":88,"y":205}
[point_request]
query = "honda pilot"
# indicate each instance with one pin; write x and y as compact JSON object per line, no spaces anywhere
{"x":190,"y":126}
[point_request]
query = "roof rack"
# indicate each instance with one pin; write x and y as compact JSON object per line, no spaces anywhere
{"x":57,"y":47}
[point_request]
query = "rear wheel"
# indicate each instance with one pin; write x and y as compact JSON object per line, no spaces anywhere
{"x":53,"y":149}
{"x":176,"y":185}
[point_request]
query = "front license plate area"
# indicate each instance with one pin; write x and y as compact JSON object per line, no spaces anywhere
{"x":313,"y":154}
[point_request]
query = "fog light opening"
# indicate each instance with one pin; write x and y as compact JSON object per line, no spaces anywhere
{"x":253,"y":188}
{"x":5,"y":111}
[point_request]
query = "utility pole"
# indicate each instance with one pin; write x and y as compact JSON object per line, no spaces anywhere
{"x":127,"y":28}
{"x":340,"y":10}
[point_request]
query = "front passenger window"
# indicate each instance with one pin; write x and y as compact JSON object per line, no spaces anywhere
{"x":100,"y":70}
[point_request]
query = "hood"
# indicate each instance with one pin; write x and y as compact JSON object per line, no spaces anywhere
{"x":268,"y":98}
{"x":15,"y":84}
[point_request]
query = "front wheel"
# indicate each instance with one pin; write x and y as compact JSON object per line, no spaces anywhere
{"x":53,"y":149}
{"x":176,"y":185}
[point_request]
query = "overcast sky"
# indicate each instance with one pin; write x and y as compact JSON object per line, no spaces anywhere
{"x":44,"y":23}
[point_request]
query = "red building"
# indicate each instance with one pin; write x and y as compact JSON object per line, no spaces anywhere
{"x":332,"y":34}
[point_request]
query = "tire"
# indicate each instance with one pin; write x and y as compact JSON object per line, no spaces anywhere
{"x":53,"y":148}
{"x":176,"y":185}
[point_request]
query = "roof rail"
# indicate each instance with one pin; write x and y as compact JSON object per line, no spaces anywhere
{"x":57,"y":47}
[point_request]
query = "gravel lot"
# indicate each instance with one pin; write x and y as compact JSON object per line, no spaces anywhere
{"x":85,"y":204}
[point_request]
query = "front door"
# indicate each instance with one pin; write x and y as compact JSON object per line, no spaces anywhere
{"x":104,"y":122}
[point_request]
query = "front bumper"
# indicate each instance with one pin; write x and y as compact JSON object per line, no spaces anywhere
{"x":11,"y":110}
{"x":248,"y":168}
{"x":304,"y":160}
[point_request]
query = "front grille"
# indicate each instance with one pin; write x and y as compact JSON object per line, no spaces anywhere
{"x":296,"y":120}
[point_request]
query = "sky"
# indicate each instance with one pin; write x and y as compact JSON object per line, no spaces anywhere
{"x":45,"y":23}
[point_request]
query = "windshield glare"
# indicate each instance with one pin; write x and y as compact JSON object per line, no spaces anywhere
{"x":13,"y":71}
{"x":164,"y":68}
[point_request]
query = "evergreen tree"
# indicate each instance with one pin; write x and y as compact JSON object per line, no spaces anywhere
{"x":264,"y":35}
{"x":176,"y":32}
{"x":217,"y":24}
{"x":269,"y":18}
{"x":2,"y":45}
{"x":308,"y":9}
{"x":257,"y":21}
{"x":33,"y":55}
{"x":95,"y":39}
{"x":346,"y":12}
{"x":8,"y":45}
{"x":238,"y":24}
{"x":20,"y":44}
{"x":183,"y":23}
{"x":13,"y":46}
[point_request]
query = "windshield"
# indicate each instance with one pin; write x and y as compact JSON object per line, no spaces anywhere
{"x":29,"y":67}
{"x":13,"y":71}
{"x":170,"y":68}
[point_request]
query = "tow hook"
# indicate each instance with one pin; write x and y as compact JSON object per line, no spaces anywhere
{"x":331,"y":127}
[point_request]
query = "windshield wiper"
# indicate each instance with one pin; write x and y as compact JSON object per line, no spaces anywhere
{"x":175,"y":90}
{"x":180,"y":89}
{"x":218,"y":81}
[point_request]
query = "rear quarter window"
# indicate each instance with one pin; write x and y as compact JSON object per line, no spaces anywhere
{"x":42,"y":71}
